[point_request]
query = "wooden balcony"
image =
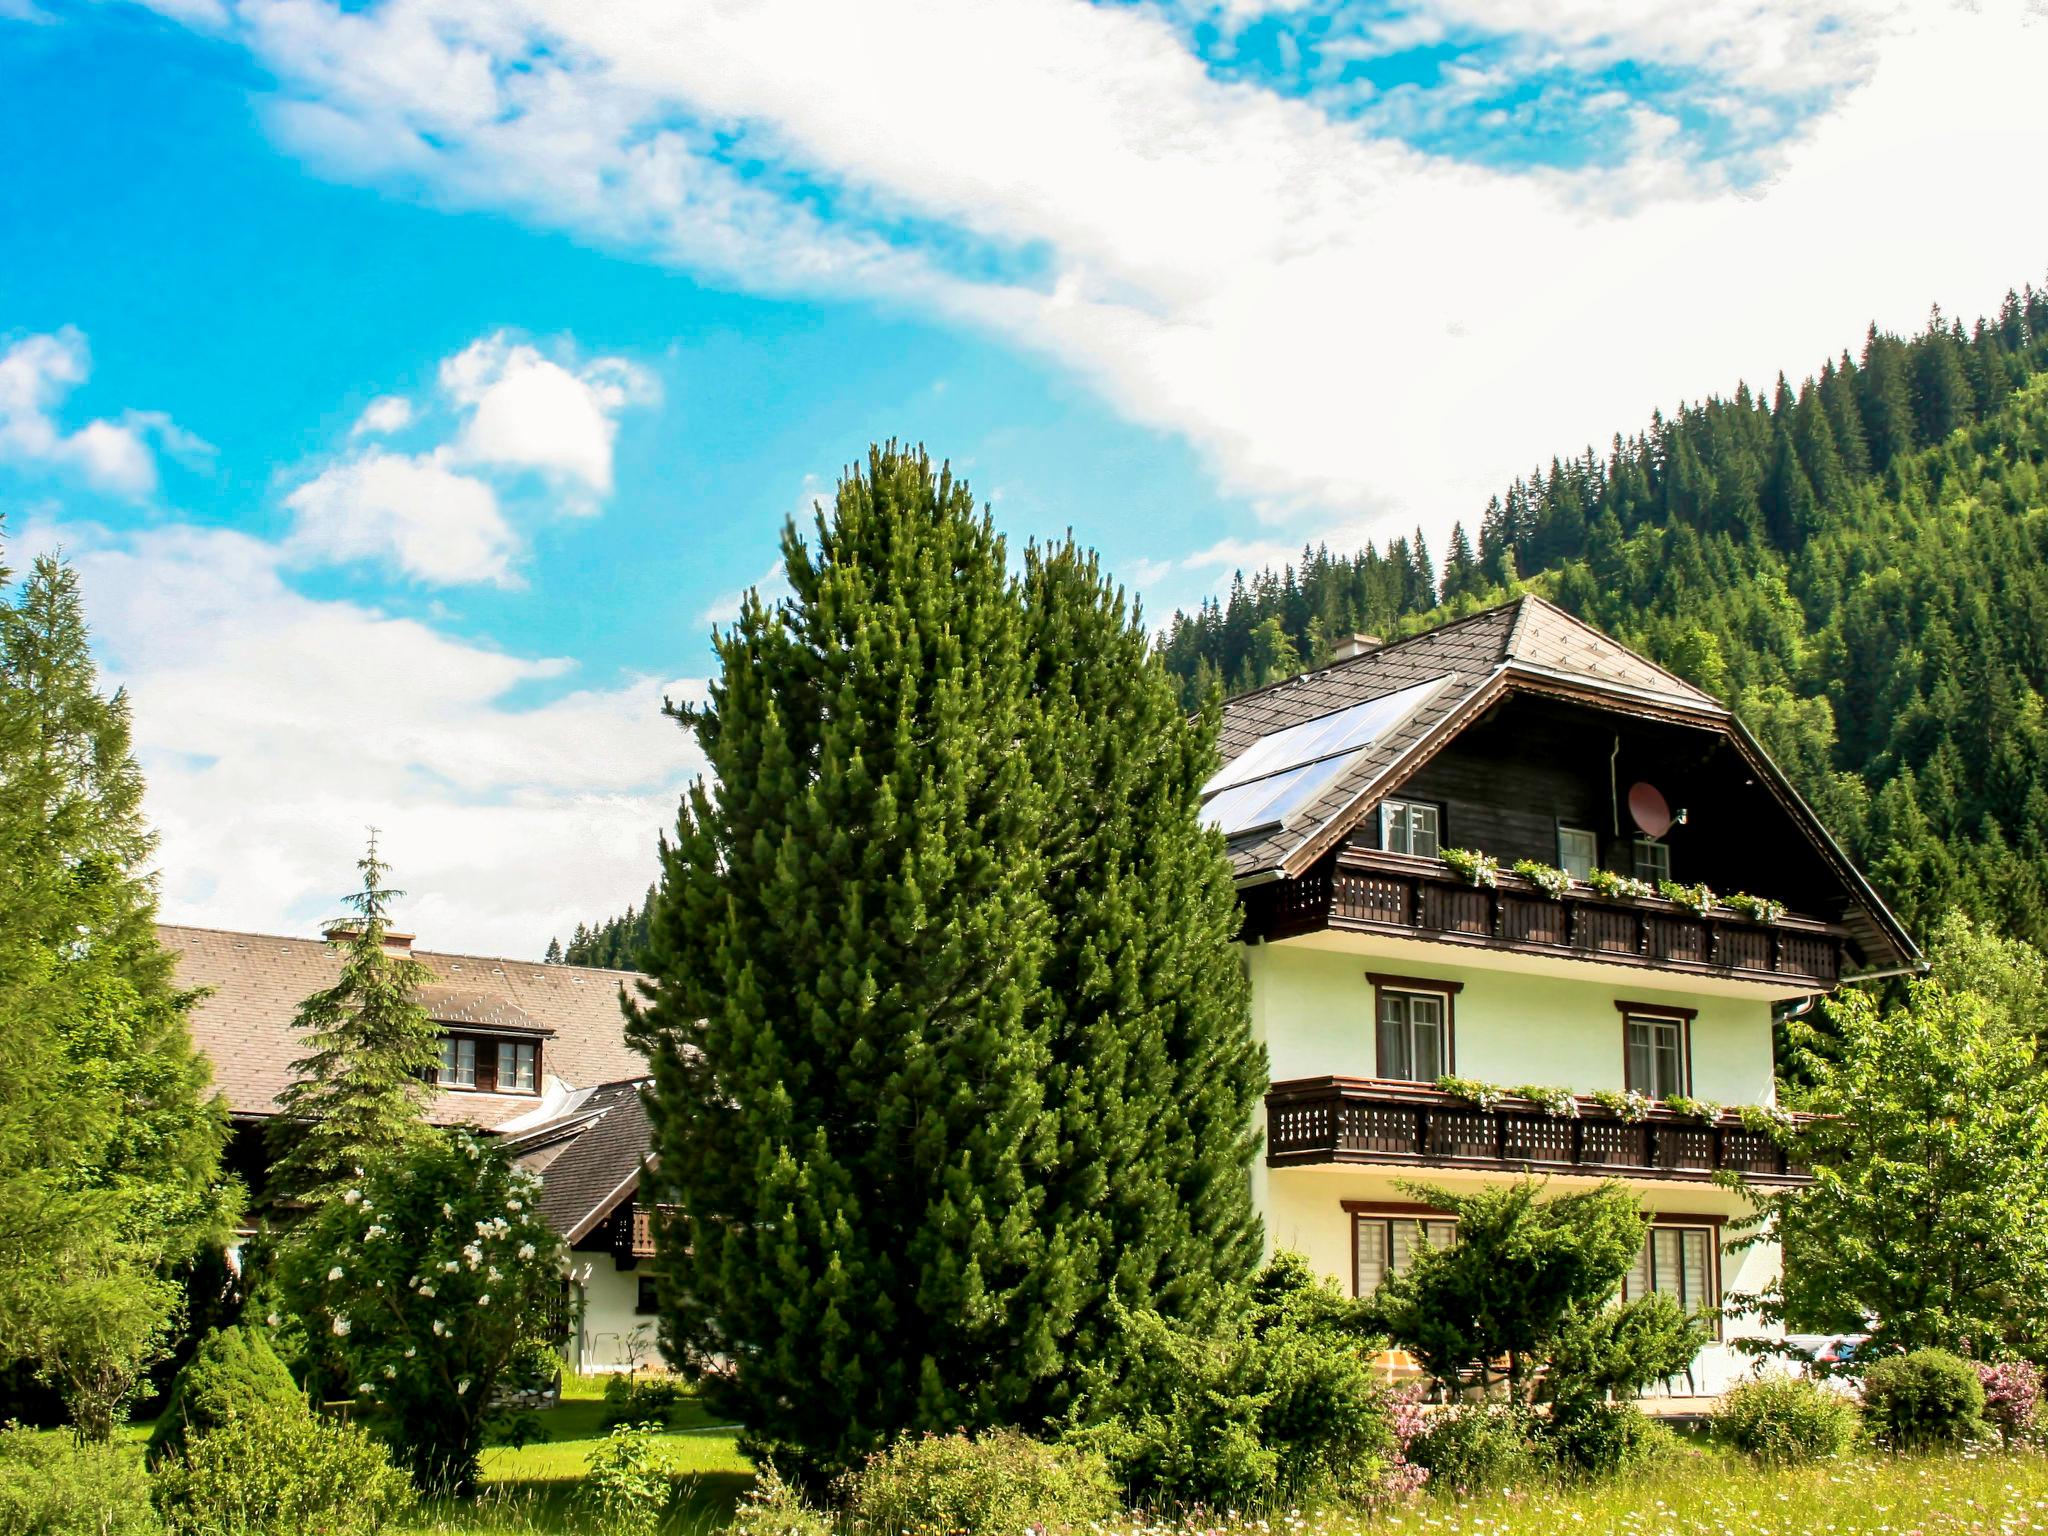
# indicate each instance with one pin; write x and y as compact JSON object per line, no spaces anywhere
{"x":1369,"y":892}
{"x":632,"y":1233}
{"x":1358,"y":1120}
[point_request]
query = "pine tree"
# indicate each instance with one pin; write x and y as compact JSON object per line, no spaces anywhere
{"x":1154,"y":1074}
{"x":554,"y":954}
{"x":110,"y":1138}
{"x":846,"y":1018}
{"x":359,"y":1092}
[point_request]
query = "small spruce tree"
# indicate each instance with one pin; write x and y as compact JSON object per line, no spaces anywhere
{"x":359,"y":1091}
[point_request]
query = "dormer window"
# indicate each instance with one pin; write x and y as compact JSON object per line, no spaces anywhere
{"x":1410,"y":826}
{"x":482,"y":1064}
{"x":1653,"y":860}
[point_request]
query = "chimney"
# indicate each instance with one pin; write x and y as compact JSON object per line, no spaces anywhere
{"x":1354,"y":645}
{"x":397,"y":945}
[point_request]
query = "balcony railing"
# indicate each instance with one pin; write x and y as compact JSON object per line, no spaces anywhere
{"x":1358,"y":1120}
{"x":632,"y":1233}
{"x":1420,"y":898}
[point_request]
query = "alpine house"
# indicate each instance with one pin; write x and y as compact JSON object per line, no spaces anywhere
{"x":1409,"y":986}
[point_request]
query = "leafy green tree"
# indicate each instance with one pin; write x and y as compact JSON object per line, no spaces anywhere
{"x":110,"y":1138}
{"x":1153,"y":1073}
{"x":1525,"y":1275}
{"x":433,"y":1277}
{"x":232,"y":1371}
{"x":849,"y":1052}
{"x":1927,"y":1221}
{"x":359,"y":1092}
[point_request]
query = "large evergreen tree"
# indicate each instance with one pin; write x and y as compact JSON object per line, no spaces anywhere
{"x":358,"y":1093}
{"x":851,"y":1114}
{"x":110,"y":1139}
{"x":946,"y":952}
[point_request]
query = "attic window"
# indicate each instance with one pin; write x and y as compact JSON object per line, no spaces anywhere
{"x":1410,"y":826}
{"x":483,"y":1064}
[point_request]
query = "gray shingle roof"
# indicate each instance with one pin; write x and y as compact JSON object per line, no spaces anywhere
{"x":258,"y":981}
{"x":1527,"y":643}
{"x":590,"y":1159}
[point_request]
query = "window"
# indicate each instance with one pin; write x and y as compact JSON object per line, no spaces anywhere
{"x":485,"y":1065}
{"x":1677,"y":1262}
{"x":1653,"y":860}
{"x":1386,"y":1245}
{"x":1414,"y":1036}
{"x":648,"y":1301}
{"x":1409,"y":826}
{"x":458,"y":1062}
{"x":1578,"y":852}
{"x":1656,"y":1055}
{"x":515,"y":1066}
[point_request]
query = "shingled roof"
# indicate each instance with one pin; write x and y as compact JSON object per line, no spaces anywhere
{"x":1527,"y":644}
{"x":589,"y":1158}
{"x":257,"y":981}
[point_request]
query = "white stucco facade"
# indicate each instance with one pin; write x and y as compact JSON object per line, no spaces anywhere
{"x":1515,"y":1020}
{"x":612,"y":1333}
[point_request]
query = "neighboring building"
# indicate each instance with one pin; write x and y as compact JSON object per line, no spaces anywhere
{"x":1376,"y":970}
{"x":534,"y":1053}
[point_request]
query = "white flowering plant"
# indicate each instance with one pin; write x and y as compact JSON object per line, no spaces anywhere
{"x":430,"y":1280}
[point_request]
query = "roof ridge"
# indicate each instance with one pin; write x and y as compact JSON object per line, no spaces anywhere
{"x":445,"y":954}
{"x":1594,"y":629}
{"x":1372,"y":655}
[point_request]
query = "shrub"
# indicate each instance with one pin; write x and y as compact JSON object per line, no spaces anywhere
{"x":627,"y":1483}
{"x":773,"y":1508}
{"x":234,"y":1369}
{"x":1278,"y":1401}
{"x":639,"y":1400}
{"x":52,"y":1486}
{"x":2012,"y":1398}
{"x":1477,"y":1446}
{"x":1785,"y":1420}
{"x":1925,"y":1400}
{"x":277,"y":1470}
{"x":427,"y":1282}
{"x":999,"y":1481}
{"x":1593,"y":1439}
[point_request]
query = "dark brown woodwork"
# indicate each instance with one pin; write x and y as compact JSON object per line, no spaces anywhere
{"x":1358,"y":1120}
{"x":1362,"y":890}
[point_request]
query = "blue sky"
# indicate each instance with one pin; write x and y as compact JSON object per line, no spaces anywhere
{"x":415,"y":381}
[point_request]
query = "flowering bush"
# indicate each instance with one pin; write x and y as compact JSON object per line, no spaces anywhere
{"x":1614,"y":886}
{"x":1766,"y":1120}
{"x":1631,"y":1106}
{"x":427,"y":1279}
{"x":1553,"y":882}
{"x":2012,"y":1397}
{"x":1558,"y":1103}
{"x":1696,"y":899}
{"x":1708,"y":1110}
{"x":1758,"y":909}
{"x":1474,"y":868}
{"x":1479,"y":1095}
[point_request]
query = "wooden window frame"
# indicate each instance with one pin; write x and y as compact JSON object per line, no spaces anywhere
{"x":1442,"y":822}
{"x":487,"y":1048}
{"x":1639,"y":841}
{"x":1562,"y":827}
{"x":1383,"y":983}
{"x":1669,"y":1220}
{"x":1661,"y":1013}
{"x":1387,"y":1210}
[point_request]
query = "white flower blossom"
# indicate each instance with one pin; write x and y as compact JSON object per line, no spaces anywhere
{"x":390,"y":1373}
{"x":364,"y":1389}
{"x":341,"y":1327}
{"x":492,"y":1275}
{"x":411,"y":1350}
{"x":526,"y":1250}
{"x":274,"y":1320}
{"x":484,"y":1300}
{"x":426,"y":1290}
{"x":352,"y":1197}
{"x":440,"y":1329}
{"x":462,"y":1386}
{"x":514,"y":1205}
{"x":449,"y":1266}
{"x":447,"y":1211}
{"x":376,"y":1231}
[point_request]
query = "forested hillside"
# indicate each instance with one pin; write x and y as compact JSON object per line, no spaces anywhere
{"x":1856,"y":566}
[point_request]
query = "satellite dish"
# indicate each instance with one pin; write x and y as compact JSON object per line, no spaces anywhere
{"x":1647,"y":809}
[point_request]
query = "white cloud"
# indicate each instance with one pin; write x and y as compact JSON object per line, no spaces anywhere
{"x":434,"y":524}
{"x":274,"y":727}
{"x":526,"y":411}
{"x":36,"y":374}
{"x":772,"y":585}
{"x":439,"y":515}
{"x":1278,"y":286}
{"x":383,"y":416}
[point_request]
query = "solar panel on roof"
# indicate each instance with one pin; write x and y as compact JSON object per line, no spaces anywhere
{"x":1281,"y":773}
